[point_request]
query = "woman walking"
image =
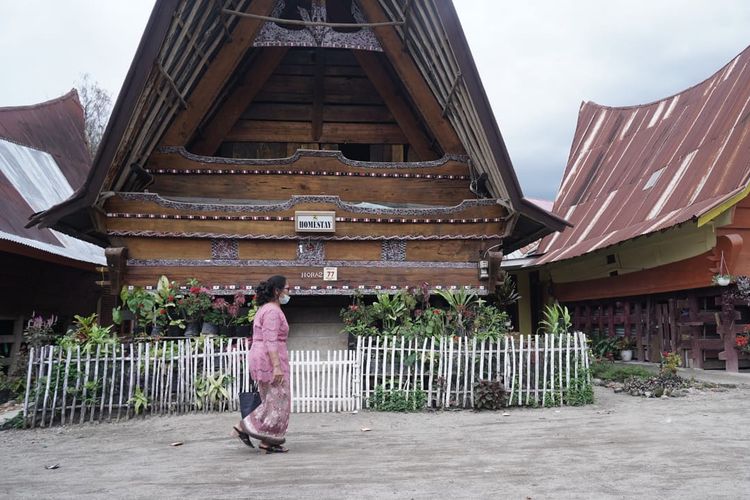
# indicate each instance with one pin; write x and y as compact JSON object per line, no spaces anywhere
{"x":269,"y":367}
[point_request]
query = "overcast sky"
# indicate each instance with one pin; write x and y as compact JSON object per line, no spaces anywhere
{"x":538,"y":58}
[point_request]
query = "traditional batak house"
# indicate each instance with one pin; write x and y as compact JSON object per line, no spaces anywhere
{"x":346,"y":145}
{"x":658,"y":198}
{"x":43,"y":159}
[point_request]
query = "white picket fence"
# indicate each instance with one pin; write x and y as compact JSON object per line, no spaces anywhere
{"x":535,"y":369}
{"x":181,"y":376}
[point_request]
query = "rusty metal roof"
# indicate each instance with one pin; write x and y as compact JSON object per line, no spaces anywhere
{"x":42,"y":156}
{"x":636,"y":170}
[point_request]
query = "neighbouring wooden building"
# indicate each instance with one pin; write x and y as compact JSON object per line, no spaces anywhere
{"x":658,"y":198}
{"x":43,"y":159}
{"x":348,"y":145}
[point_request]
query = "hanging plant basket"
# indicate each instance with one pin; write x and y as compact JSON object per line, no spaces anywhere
{"x":722,"y":279}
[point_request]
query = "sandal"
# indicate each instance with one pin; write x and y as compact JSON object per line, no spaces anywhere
{"x":274,"y":448}
{"x":243,"y":437}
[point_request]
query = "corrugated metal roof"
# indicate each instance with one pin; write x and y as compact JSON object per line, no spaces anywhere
{"x":641,"y":169}
{"x":32,"y":182}
{"x":56,"y":127}
{"x":32,"y":179}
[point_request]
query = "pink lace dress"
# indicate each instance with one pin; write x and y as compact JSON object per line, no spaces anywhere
{"x":270,"y":420}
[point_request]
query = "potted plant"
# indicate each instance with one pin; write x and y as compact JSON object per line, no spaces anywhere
{"x":140,"y":303}
{"x":167,"y":313}
{"x":626,"y":344}
{"x":193,"y":306}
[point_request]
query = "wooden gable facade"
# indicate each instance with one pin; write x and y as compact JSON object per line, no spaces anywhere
{"x":363,"y":120}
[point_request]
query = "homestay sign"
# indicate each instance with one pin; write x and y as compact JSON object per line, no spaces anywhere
{"x":315,"y":222}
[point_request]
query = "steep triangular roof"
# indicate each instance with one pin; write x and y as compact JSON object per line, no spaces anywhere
{"x":636,"y":170}
{"x":191,"y":51}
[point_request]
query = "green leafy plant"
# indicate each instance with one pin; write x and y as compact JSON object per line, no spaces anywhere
{"x":212,"y":388}
{"x":505,"y":291}
{"x":139,"y":401}
{"x":670,"y":361}
{"x":87,"y":333}
{"x":625,"y":343}
{"x":489,"y":395}
{"x":490,"y":323}
{"x":461,"y":304}
{"x":581,"y":391}
{"x":557,"y":320}
{"x":389,"y":309}
{"x":603,"y":347}
{"x":397,"y":400}
{"x":611,"y":372}
{"x":140,"y":302}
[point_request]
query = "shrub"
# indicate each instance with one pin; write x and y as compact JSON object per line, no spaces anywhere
{"x":397,"y":400}
{"x":489,"y":395}
{"x":615,"y":373}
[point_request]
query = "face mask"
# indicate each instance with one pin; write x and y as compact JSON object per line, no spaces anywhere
{"x":284,"y":299}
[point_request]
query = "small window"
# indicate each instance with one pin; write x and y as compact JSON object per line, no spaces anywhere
{"x":611,"y":259}
{"x":613,"y":273}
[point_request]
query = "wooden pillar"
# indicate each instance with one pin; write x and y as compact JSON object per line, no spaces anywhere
{"x":726,"y":330}
{"x":525,"y":317}
{"x":611,"y":319}
{"x":626,"y":318}
{"x":639,"y":332}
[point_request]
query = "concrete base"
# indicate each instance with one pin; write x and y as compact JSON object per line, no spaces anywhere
{"x":314,"y":323}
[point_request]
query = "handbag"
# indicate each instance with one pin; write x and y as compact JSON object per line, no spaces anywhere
{"x":249,"y":401}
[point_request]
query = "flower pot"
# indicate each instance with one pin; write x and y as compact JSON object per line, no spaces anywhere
{"x":626,"y":355}
{"x":156,"y":331}
{"x":209,"y":329}
{"x":193,"y":329}
{"x":723,"y":280}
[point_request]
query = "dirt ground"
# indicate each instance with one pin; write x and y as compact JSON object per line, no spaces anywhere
{"x":621,"y":447}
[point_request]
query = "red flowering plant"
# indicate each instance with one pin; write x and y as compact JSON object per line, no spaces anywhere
{"x":742,"y":341}
{"x":196,"y":302}
{"x":224,"y":313}
{"x":358,"y":318}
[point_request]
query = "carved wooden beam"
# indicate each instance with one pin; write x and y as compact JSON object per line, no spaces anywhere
{"x":116,"y":260}
{"x":318,"y":95}
{"x":240,"y":98}
{"x":221,"y":68}
{"x":397,"y":105}
{"x":418,"y":88}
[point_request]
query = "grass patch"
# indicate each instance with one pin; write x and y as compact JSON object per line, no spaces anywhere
{"x":611,"y":372}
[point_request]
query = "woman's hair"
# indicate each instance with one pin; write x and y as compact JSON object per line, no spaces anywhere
{"x":266,"y":291}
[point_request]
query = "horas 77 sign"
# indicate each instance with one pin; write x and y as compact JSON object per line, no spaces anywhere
{"x":314,"y":222}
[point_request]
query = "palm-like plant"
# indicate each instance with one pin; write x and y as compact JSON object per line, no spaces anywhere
{"x":556,"y":320}
{"x":461,"y":302}
{"x":389,"y":309}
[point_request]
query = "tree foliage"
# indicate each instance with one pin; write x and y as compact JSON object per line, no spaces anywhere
{"x":97,"y":105}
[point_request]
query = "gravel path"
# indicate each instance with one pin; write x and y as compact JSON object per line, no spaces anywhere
{"x":621,"y":447}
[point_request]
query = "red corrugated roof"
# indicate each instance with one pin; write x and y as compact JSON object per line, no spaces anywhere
{"x":43,"y":158}
{"x":55,"y":127}
{"x":636,"y":170}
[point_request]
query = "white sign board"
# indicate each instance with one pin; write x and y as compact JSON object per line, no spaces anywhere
{"x":330,"y":274}
{"x":314,"y":222}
